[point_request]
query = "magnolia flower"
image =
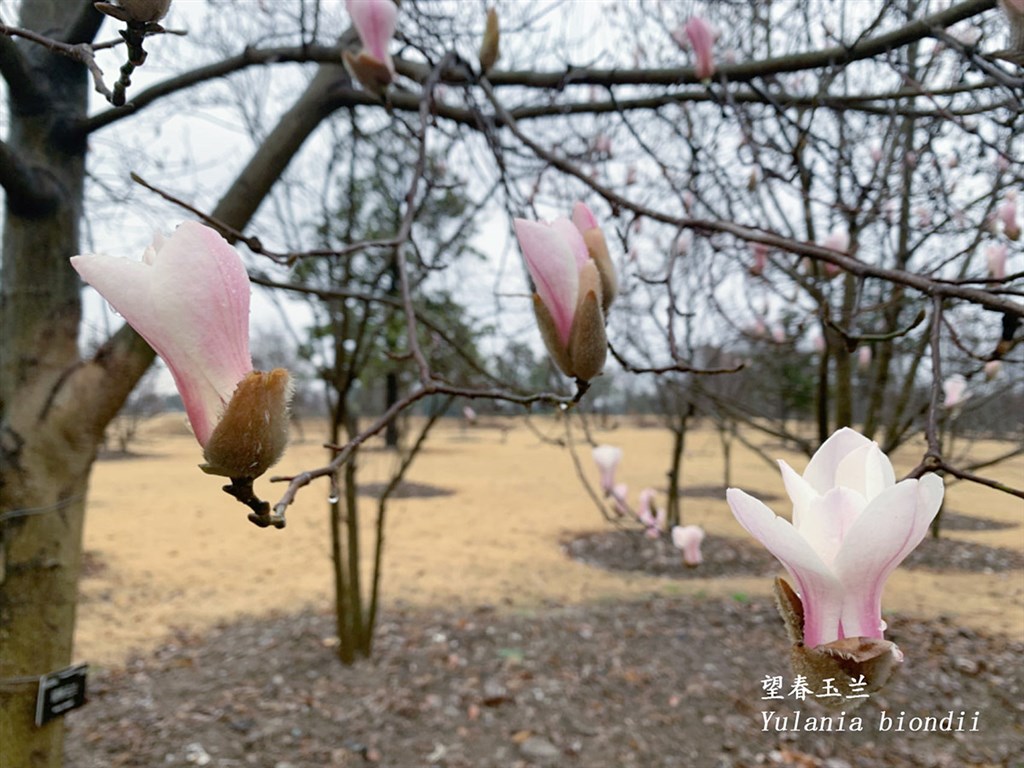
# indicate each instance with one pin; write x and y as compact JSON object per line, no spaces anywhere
{"x":702,"y":39}
{"x":619,"y":498}
{"x":1007,"y":214}
{"x":863,"y":358}
{"x":995,"y":258}
{"x":852,"y":525}
{"x":955,"y":390}
{"x":607,"y":458}
{"x":836,"y":240}
{"x":136,"y":11}
{"x":469,"y":414}
{"x":652,"y":520}
{"x":575,"y":284}
{"x":688,"y":538}
{"x":992,"y":369}
{"x":760,"y":254}
{"x":189,"y":299}
{"x":374,"y":20}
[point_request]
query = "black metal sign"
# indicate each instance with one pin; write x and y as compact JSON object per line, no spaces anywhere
{"x":60,"y":692}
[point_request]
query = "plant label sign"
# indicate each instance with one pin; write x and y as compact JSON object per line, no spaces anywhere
{"x":60,"y":692}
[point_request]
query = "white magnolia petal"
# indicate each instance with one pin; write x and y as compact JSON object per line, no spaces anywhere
{"x":824,"y":464}
{"x":820,"y":591}
{"x":891,"y":525}
{"x":866,"y":470}
{"x":828,"y":519}
{"x":800,"y":492}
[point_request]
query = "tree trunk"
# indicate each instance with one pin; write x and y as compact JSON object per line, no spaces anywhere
{"x":54,"y":406}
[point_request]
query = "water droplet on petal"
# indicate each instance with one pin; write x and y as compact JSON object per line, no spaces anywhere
{"x":882,"y":626}
{"x":113,"y":309}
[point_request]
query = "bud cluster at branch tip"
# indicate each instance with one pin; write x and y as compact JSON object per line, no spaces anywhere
{"x":575,"y":285}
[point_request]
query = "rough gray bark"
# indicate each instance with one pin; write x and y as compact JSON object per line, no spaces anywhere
{"x":54,"y":405}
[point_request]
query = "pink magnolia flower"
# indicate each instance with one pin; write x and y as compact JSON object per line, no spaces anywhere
{"x":852,"y":525}
{"x":374,"y":21}
{"x":760,"y":254}
{"x":607,"y":458}
{"x":836,"y":240}
{"x":618,"y":495}
{"x":575,"y":284}
{"x":189,"y":299}
{"x":688,"y":538}
{"x":652,"y":520}
{"x":1007,"y":213}
{"x":702,"y":39}
{"x":995,"y":257}
{"x":954,"y":388}
{"x":469,"y":414}
{"x":992,"y":369}
{"x":864,"y":358}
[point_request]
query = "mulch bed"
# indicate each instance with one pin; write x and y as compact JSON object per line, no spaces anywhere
{"x":666,"y":682}
{"x":404,"y":490}
{"x":629,"y":550}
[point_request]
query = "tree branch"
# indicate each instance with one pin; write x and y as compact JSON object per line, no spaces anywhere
{"x":460,"y":74}
{"x":22,"y":88}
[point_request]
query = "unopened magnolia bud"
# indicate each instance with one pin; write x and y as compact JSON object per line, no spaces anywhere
{"x":253,"y":432}
{"x":549,"y":332}
{"x":137,"y":11}
{"x":489,"y":48}
{"x":597,"y":247}
{"x":373,"y":74}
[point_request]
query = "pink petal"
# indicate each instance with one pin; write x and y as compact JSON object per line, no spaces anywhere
{"x":822,"y":468}
{"x":583,"y":217}
{"x":820,"y":591}
{"x":552,"y":265}
{"x":702,"y":38}
{"x":688,"y":538}
{"x":190,"y":302}
{"x":885,"y":533}
{"x":574,"y":238}
{"x":955,"y":390}
{"x":374,"y":20}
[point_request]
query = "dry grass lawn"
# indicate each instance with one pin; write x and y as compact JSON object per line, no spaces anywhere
{"x":169,"y":550}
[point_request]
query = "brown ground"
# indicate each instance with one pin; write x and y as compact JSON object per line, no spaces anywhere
{"x":497,"y":645}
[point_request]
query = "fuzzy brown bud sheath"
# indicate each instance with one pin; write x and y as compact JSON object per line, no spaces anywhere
{"x":253,"y":431}
{"x":490,"y":48}
{"x":869,"y":659}
{"x":136,"y":11}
